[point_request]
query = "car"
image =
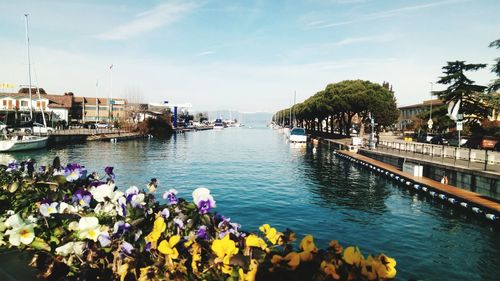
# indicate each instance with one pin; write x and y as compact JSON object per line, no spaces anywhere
{"x":89,"y":125}
{"x":485,"y":142}
{"x":425,"y":138}
{"x":438,"y":140}
{"x":101,"y":125}
{"x":37,"y":128}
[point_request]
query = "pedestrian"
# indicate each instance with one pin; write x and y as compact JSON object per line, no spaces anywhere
{"x":444,"y":180}
{"x":152,"y":185}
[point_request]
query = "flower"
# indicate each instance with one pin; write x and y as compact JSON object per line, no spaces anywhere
{"x":165,"y":213}
{"x":253,"y":240}
{"x":66,"y":208}
{"x":252,"y":271}
{"x":272,"y":234}
{"x":307,"y":244}
{"x":158,"y":227}
{"x":386,"y":268}
{"x":171,"y":196}
{"x":225,"y":248}
{"x":120,"y":228}
{"x":82,"y":197}
{"x":201,"y":232}
{"x":135,"y":198}
{"x":330,"y":270}
{"x":103,"y":191}
{"x":25,"y":234}
{"x":12,"y":166}
{"x":74,"y":171}
{"x":291,"y":260}
{"x":127,"y":248}
{"x":335,"y":246}
{"x":47,"y":209}
{"x":203,"y":200}
{"x":195,"y":252}
{"x":104,"y":239}
{"x":88,"y":228}
{"x":352,"y":256}
{"x":168,"y":248}
{"x":179,"y":223}
{"x":71,"y":248}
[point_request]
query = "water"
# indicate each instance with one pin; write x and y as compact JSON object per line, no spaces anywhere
{"x":257,"y":178}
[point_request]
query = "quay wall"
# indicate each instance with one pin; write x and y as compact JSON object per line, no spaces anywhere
{"x":484,"y":183}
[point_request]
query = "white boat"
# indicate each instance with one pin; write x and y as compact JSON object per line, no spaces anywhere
{"x":218,"y":124}
{"x":17,"y":143}
{"x":298,"y":135}
{"x":21,"y":141}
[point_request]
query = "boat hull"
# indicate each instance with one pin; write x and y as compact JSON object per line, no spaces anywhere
{"x":27,"y":143}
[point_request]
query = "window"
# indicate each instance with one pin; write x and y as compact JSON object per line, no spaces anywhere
{"x":24,"y":103}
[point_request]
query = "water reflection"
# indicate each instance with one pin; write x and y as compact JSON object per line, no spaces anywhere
{"x":339,"y":183}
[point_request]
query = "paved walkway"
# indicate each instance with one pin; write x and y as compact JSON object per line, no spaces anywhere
{"x":451,"y":191}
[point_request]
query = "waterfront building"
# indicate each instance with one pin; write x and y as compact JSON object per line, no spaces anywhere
{"x":408,"y":114}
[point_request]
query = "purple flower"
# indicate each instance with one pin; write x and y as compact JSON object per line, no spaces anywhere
{"x":109,"y":171}
{"x":203,"y":200}
{"x":127,"y":248}
{"x":147,"y":248}
{"x":122,"y":206}
{"x":96,"y":183}
{"x":74,"y":171}
{"x":82,"y":197}
{"x":165,"y":213}
{"x":12,"y":166}
{"x":42,"y":169}
{"x":201,"y":233}
{"x":171,"y":197}
{"x":130,"y":192}
{"x":204,"y":206}
{"x":104,"y":239}
{"x":120,"y":228}
{"x":179,"y":223}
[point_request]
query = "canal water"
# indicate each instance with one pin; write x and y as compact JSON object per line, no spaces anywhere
{"x":256,"y":178}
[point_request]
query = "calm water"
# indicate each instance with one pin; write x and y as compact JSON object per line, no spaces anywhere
{"x":257,"y":178}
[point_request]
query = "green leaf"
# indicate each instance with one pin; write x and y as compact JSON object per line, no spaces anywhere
{"x":39,"y":244}
{"x":60,"y":179}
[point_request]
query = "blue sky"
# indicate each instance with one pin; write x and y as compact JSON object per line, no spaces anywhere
{"x":243,"y":55}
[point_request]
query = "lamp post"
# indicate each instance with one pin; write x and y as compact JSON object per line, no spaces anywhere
{"x":429,"y":123}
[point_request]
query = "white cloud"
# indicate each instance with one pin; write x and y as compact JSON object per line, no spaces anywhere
{"x":154,"y":18}
{"x":205,"y":53}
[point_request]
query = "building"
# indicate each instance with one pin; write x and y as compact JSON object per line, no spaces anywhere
{"x":66,"y":108}
{"x":408,"y":115}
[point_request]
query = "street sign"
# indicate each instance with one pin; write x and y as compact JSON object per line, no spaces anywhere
{"x":430,"y":123}
{"x":459,"y":126}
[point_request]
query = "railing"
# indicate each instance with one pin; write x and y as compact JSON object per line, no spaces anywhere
{"x":86,"y":131}
{"x":466,"y":157}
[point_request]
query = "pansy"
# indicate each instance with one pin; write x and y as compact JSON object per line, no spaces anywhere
{"x":272,"y":234}
{"x":203,"y":200}
{"x":179,"y":223}
{"x":254,"y":241}
{"x":104,"y":239}
{"x":12,"y":166}
{"x":171,"y":196}
{"x":20,"y":231}
{"x":109,"y":171}
{"x":66,"y":208}
{"x":47,"y":209}
{"x":120,"y":228}
{"x":88,"y":228}
{"x":121,"y":206}
{"x":165,"y":213}
{"x":330,"y":270}
{"x":158,"y":227}
{"x":82,"y":198}
{"x":168,"y":247}
{"x":103,"y":191}
{"x":134,"y":197}
{"x":126,"y":248}
{"x":74,"y":171}
{"x":352,"y":256}
{"x":225,"y":249}
{"x":201,"y":233}
{"x":42,"y":169}
{"x":69,"y":248}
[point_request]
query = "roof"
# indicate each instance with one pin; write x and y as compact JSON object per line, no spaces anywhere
{"x":424,"y":104}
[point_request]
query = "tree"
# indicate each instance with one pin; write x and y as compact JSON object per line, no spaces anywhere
{"x":463,"y":89}
{"x":495,"y":85}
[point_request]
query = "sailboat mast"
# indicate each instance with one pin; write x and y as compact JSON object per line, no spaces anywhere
{"x":29,"y":64}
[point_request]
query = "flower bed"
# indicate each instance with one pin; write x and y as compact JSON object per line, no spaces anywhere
{"x":81,"y":227}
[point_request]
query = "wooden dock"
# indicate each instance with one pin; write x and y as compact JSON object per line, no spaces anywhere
{"x":477,"y":203}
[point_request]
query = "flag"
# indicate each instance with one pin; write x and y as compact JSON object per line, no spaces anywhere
{"x":453,"y":108}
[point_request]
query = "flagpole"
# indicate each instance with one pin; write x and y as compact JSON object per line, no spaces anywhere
{"x":97,"y":100}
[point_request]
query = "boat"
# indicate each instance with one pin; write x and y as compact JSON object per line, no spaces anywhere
{"x":218,"y":124}
{"x":298,"y":135}
{"x":20,"y":141}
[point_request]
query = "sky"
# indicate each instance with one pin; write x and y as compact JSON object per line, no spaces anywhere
{"x":242,"y":55}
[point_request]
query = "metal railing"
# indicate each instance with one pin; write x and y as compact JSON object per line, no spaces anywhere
{"x":465,"y":157}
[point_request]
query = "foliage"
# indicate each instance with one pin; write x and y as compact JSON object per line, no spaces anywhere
{"x":462,"y":88}
{"x":82,"y":227}
{"x":160,"y":126}
{"x":495,"y":85}
{"x":440,"y":119}
{"x":340,"y":102}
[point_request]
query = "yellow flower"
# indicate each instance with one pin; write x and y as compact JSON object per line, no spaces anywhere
{"x":368,"y":268}
{"x":168,"y":248}
{"x":330,"y":270}
{"x":272,"y":234}
{"x":158,"y":227}
{"x":386,"y":269}
{"x":195,"y":251}
{"x":292,"y":260}
{"x":336,"y":247}
{"x":307,"y":244}
{"x":254,"y":241}
{"x":147,"y":274}
{"x":225,"y":248}
{"x":122,"y":271}
{"x":352,"y":256}
{"x":252,"y":271}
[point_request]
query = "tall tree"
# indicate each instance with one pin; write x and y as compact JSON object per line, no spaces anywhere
{"x":462,"y":88}
{"x":495,"y":85}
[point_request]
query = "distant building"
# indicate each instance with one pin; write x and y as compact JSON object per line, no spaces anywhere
{"x":408,"y":114}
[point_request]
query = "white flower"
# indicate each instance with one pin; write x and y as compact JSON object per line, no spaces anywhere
{"x":102,"y":192}
{"x":46,"y":210}
{"x":203,"y":194}
{"x":106,"y":208}
{"x":137,"y":200}
{"x":25,"y":234}
{"x":71,"y":248}
{"x":72,"y":226}
{"x":121,"y":206}
{"x":88,"y":228}
{"x":67,"y":208}
{"x":14,"y":221}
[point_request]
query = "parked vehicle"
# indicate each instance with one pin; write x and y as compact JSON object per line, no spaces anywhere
{"x":425,"y":137}
{"x":37,"y":129}
{"x":454,"y":141}
{"x":438,"y":140}
{"x":482,"y":142}
{"x":103,"y":126}
{"x":89,"y":125}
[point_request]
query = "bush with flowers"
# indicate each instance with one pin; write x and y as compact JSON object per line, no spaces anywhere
{"x":79,"y":226}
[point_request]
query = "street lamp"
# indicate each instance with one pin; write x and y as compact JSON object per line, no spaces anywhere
{"x":429,"y":123}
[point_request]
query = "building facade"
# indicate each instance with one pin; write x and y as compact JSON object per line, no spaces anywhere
{"x":408,"y":115}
